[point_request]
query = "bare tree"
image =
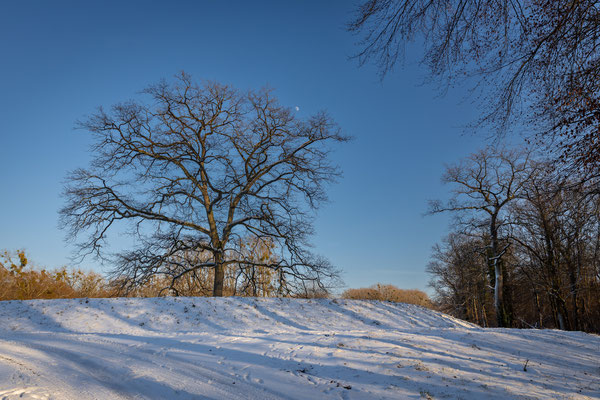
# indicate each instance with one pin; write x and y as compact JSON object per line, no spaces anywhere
{"x":536,"y":59}
{"x":556,"y":235}
{"x":484,"y":184}
{"x":550,"y":268}
{"x":460,"y":278}
{"x":196,"y":169}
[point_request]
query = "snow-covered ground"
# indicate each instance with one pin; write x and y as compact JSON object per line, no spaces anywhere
{"x":245,"y":348}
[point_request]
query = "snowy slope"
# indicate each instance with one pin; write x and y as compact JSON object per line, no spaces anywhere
{"x":244,"y":348}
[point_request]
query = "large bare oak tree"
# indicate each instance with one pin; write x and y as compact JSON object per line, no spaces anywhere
{"x":195,"y":170}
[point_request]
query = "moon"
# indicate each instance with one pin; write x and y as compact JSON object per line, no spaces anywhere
{"x":297,"y":108}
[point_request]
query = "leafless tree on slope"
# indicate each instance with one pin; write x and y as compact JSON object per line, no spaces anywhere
{"x":195,"y":170}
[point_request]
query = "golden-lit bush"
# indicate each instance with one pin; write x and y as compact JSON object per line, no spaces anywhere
{"x":389,"y":293}
{"x":21,"y":281}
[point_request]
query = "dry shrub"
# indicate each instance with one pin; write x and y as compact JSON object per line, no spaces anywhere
{"x":389,"y":293}
{"x":21,"y":281}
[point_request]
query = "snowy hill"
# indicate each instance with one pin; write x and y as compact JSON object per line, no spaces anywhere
{"x":244,"y":348}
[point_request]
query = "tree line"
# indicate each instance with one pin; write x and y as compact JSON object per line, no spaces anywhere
{"x":524,"y":250}
{"x":20,"y":280}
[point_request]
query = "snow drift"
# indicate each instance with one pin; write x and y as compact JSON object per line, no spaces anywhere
{"x":246,"y":348}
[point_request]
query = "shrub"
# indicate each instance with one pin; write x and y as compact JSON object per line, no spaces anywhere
{"x":389,"y":293}
{"x":20,"y":281}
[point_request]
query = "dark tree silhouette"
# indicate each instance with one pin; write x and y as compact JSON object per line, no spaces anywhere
{"x":195,"y":170}
{"x":551,"y":266}
{"x":536,"y":60}
{"x":484,"y":185}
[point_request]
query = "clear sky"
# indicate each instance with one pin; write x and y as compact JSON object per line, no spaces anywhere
{"x":60,"y":60}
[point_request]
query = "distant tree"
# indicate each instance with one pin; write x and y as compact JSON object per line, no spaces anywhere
{"x":550,"y":270}
{"x":557,"y":232}
{"x":484,"y":184}
{"x":460,"y":278}
{"x":389,"y":293}
{"x":194,"y":171}
{"x":254,"y":279}
{"x":537,"y":53}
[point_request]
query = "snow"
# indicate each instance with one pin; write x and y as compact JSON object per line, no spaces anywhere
{"x":246,"y":348}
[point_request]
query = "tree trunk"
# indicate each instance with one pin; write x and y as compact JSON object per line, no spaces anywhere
{"x":539,"y":309}
{"x":499,"y":295}
{"x":494,"y":258}
{"x":563,"y":315}
{"x":219,"y":275}
{"x":282,"y":283}
{"x":574,"y":272}
{"x":253,"y":281}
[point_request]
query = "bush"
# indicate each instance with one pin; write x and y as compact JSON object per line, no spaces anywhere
{"x":389,"y":293}
{"x":21,"y":281}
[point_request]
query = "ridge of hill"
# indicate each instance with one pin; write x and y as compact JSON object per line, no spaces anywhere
{"x":279,"y":348}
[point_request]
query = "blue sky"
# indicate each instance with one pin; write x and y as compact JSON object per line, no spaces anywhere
{"x":61,"y":60}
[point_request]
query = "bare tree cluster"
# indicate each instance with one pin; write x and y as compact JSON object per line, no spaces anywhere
{"x":536,"y":61}
{"x":197,"y":172}
{"x":462,"y":280}
{"x":557,"y":237}
{"x":548,"y":233}
{"x":484,"y":186}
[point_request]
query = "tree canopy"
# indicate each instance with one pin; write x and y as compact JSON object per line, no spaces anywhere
{"x":534,"y":61}
{"x":196,"y":170}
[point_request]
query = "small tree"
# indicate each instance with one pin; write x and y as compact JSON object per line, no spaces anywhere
{"x":194,"y":171}
{"x":460,"y":277}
